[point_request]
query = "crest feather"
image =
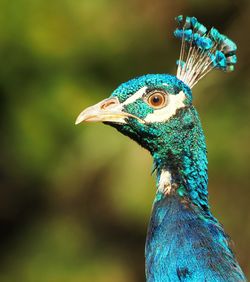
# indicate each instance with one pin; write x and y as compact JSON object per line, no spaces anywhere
{"x":202,"y":50}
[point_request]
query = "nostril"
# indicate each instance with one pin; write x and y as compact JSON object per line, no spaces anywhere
{"x":108,"y":103}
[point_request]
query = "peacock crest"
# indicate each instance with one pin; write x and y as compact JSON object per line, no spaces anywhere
{"x":202,"y":50}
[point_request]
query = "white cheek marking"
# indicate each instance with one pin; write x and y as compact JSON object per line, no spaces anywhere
{"x":174,"y":103}
{"x":135,"y":96}
{"x":164,"y":185}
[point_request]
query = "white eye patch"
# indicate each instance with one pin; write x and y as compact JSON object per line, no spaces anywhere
{"x":136,"y":96}
{"x":174,"y":103}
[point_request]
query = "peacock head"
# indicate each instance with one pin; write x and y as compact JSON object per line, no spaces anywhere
{"x":156,"y":109}
{"x":146,"y":109}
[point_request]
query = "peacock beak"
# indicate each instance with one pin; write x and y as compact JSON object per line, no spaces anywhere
{"x":109,"y":110}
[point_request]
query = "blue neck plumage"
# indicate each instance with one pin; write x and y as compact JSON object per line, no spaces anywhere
{"x":181,"y":163}
{"x":184,"y":241}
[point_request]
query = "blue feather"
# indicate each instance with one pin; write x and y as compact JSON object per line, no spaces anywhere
{"x":202,"y":50}
{"x":185,"y":245}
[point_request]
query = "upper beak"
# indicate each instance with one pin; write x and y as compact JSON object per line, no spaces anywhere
{"x":107,"y":110}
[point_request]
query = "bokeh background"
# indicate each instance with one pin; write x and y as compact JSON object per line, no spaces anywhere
{"x":75,"y":201}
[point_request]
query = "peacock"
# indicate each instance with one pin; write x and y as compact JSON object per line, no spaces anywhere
{"x":185,"y":242}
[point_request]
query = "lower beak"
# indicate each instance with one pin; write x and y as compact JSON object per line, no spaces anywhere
{"x":109,"y":110}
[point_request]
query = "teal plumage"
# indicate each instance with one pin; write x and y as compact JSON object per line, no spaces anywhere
{"x":184,"y":241}
{"x":193,"y":246}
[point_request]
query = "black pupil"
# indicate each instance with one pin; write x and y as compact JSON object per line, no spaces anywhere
{"x":156,"y":99}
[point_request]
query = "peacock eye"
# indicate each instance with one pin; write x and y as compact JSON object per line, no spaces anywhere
{"x":157,"y":99}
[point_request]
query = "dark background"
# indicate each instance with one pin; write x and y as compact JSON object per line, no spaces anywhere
{"x":75,"y":201}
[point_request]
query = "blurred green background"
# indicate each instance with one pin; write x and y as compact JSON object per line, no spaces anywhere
{"x":75,"y":201}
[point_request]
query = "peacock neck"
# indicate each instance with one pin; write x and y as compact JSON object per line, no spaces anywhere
{"x":181,"y":164}
{"x":184,"y":241}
